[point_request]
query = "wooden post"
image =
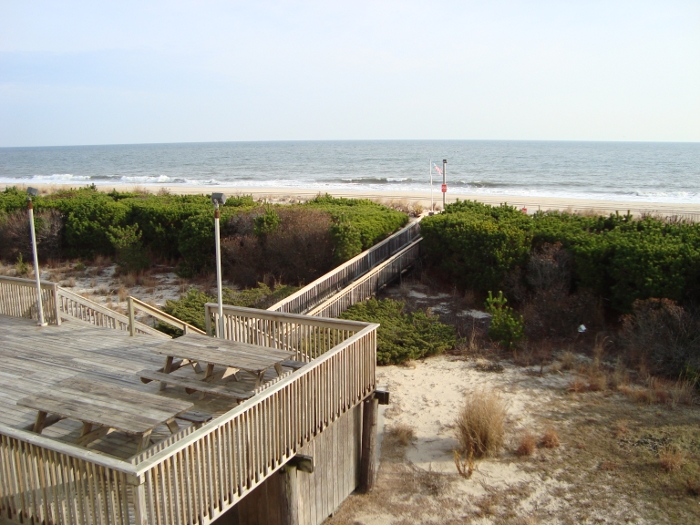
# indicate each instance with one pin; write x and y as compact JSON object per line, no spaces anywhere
{"x":207,"y":320}
{"x":289,"y":496}
{"x":140,"y":507}
{"x":368,"y":465}
{"x":57,"y":304}
{"x":132,"y":326}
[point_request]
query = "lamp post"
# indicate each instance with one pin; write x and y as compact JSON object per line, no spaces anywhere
{"x":218,"y":199}
{"x":33,"y":192}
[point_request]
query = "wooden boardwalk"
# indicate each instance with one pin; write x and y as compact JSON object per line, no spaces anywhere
{"x":32,"y":359}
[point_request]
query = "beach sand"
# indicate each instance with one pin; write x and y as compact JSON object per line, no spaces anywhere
{"x":532,"y":204}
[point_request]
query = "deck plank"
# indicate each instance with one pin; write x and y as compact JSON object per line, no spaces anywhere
{"x":34,"y":359}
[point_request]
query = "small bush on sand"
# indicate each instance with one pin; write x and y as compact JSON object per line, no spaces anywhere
{"x":480,"y":425}
{"x":507,"y":327}
{"x":402,"y":336}
{"x":402,"y":433}
{"x":671,"y":459}
{"x":527,"y":444}
{"x":568,"y":360}
{"x":550,"y":439}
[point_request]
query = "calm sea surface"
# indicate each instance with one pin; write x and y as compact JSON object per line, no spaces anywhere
{"x":663,"y":172}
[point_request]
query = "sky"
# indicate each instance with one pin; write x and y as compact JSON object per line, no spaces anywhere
{"x":175,"y":71}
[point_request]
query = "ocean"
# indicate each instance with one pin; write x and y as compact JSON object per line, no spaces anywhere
{"x":629,"y":171}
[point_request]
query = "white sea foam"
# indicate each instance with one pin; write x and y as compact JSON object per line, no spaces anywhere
{"x":147,"y":179}
{"x":60,"y":177}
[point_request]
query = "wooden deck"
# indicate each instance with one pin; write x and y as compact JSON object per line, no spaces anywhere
{"x":32,"y":359}
{"x":188,"y":478}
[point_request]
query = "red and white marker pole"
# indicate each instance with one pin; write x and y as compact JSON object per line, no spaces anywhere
{"x":444,"y":183}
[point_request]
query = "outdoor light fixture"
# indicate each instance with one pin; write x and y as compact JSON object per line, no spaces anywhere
{"x":33,"y":192}
{"x":218,"y":199}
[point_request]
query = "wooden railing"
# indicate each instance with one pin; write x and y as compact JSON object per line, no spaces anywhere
{"x":308,"y":337}
{"x":46,"y":481}
{"x":203,"y":474}
{"x":135,"y":304}
{"x":368,"y":285}
{"x":332,"y":282}
{"x":74,"y":306}
{"x":18,"y":298}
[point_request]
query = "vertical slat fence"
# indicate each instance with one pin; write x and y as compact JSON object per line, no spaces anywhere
{"x":18,"y":298}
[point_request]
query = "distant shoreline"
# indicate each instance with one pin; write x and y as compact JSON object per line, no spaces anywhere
{"x":532,"y":204}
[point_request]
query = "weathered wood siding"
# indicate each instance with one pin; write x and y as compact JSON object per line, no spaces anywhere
{"x":336,"y":453}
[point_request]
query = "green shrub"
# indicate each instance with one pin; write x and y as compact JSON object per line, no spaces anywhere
{"x":371,"y":221}
{"x":346,"y":239}
{"x":475,"y":251}
{"x":507,"y":327}
{"x":402,"y":336}
{"x":131,"y":255}
{"x":266,"y":223}
{"x":88,"y":216}
{"x":619,"y":258}
{"x":196,"y":242}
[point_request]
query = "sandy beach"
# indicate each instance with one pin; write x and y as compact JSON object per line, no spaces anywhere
{"x":532,"y":204}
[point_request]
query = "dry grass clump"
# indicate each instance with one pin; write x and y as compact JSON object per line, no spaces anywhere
{"x":480,"y":425}
{"x":567,"y":360}
{"x":692,"y":484}
{"x":577,"y":385}
{"x":659,"y":391}
{"x":609,"y":466}
{"x":402,"y":433}
{"x":636,"y":393}
{"x":598,"y":382}
{"x":671,"y":458}
{"x":527,"y":444}
{"x":683,"y":392}
{"x":550,"y":439}
{"x":620,"y":429}
{"x":122,"y":294}
{"x":101,"y":261}
{"x":430,"y":482}
{"x":129,"y":280}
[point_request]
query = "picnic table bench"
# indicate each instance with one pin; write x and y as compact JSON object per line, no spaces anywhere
{"x":104,"y":407}
{"x":198,"y":350}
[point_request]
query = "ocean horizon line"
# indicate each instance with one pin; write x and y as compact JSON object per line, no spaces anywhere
{"x":291,"y":141}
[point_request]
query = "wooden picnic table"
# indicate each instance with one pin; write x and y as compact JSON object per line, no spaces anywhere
{"x":198,"y":349}
{"x":107,"y":407}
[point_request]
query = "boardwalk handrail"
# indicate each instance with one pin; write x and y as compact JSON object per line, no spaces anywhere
{"x":308,"y":337}
{"x":74,"y":306}
{"x":367,"y":285}
{"x":18,"y":298}
{"x":136,"y":304}
{"x":315,"y":292}
{"x":197,"y":478}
